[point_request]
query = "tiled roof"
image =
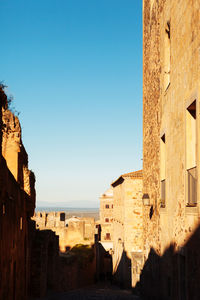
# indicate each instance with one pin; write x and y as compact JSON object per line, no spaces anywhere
{"x":136,"y":174}
{"x":133,"y":175}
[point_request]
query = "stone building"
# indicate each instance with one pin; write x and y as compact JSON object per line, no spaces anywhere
{"x":17,"y":203}
{"x":171,"y":87}
{"x":106,"y":219}
{"x":127,"y":226}
{"x":71,"y":231}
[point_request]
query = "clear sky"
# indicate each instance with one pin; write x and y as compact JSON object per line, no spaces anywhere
{"x":74,"y":68}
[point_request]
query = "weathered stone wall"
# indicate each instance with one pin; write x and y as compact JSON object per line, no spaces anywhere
{"x":169,"y":230}
{"x":151,"y":122}
{"x":106,"y":216}
{"x":89,"y":228}
{"x":76,"y":272}
{"x":127,"y":225}
{"x":56,"y":271}
{"x":133,"y":221}
{"x":118,"y":227}
{"x":44,"y":262}
{"x":71,"y":231}
{"x":17,"y":202}
{"x":183,"y":90}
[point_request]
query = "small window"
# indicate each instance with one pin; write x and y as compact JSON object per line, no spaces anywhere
{"x":4,"y":209}
{"x":107,"y":205}
{"x":21,"y":223}
{"x":107,"y":220}
{"x":46,"y":217}
{"x":62,"y":217}
{"x":192,"y":187}
{"x":163,"y":193}
{"x":162,"y":170}
{"x":191,"y":164}
{"x":107,"y":236}
{"x":167,"y":57}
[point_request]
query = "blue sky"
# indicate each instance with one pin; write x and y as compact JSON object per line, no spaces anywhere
{"x":74,"y":68}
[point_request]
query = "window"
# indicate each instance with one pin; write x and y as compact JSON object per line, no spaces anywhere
{"x":62,"y":217}
{"x":4,"y":209}
{"x":107,"y":205}
{"x":162,"y":170}
{"x":46,"y":218}
{"x":106,"y":220}
{"x":191,"y":172}
{"x":21,"y":223}
{"x":112,"y":205}
{"x":167,"y":51}
{"x":107,"y":236}
{"x":192,"y":186}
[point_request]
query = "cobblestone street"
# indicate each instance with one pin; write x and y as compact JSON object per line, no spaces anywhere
{"x":92,"y":293}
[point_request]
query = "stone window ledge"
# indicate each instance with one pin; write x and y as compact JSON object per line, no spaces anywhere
{"x":191,"y":210}
{"x":163,"y":210}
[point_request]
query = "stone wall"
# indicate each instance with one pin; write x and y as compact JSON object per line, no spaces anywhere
{"x":76,"y":269}
{"x":151,"y":121}
{"x":127,"y":225}
{"x":17,"y":202}
{"x":106,"y":217}
{"x":44,"y":262}
{"x":71,"y":231}
{"x":170,"y":228}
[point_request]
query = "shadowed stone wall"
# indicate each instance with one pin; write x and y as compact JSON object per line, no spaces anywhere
{"x":17,"y":202}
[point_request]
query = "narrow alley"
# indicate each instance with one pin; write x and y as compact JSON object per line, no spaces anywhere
{"x":99,"y":291}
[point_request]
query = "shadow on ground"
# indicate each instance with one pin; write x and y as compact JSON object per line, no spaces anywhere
{"x":99,"y":291}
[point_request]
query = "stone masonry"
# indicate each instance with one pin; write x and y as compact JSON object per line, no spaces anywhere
{"x":17,"y":202}
{"x":106,"y":219}
{"x":171,"y":87}
{"x":127,"y":226}
{"x":71,"y":231}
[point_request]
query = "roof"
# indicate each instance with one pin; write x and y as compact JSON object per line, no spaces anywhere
{"x":135,"y":174}
{"x":132,"y":175}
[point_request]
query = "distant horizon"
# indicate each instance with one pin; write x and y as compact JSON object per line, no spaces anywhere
{"x":74,"y":210}
{"x":71,"y":204}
